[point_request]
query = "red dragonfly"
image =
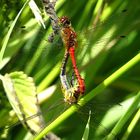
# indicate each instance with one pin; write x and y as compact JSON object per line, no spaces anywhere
{"x":69,"y":39}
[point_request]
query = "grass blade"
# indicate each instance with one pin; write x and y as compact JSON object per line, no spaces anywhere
{"x":9,"y":34}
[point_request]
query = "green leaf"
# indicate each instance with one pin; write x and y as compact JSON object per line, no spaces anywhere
{"x":21,"y":92}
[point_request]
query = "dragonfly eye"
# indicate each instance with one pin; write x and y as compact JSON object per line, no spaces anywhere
{"x":65,"y":22}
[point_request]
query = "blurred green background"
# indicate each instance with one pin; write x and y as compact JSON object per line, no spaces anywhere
{"x":100,"y":52}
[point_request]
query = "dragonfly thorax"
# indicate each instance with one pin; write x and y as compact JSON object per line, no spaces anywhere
{"x":68,"y":37}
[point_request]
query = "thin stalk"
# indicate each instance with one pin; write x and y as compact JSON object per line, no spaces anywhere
{"x":132,"y":125}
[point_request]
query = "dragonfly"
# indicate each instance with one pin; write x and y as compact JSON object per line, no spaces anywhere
{"x":69,"y":38}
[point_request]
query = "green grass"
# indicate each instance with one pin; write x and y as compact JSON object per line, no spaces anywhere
{"x":100,"y":54}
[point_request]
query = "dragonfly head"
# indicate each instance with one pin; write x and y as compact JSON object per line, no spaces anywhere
{"x":65,"y":21}
{"x":70,"y":96}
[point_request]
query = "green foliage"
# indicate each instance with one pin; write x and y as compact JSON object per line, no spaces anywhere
{"x":100,"y":53}
{"x":21,"y":93}
{"x":87,"y":128}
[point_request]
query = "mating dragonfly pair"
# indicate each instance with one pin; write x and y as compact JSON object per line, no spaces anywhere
{"x":68,"y":35}
{"x":63,"y":27}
